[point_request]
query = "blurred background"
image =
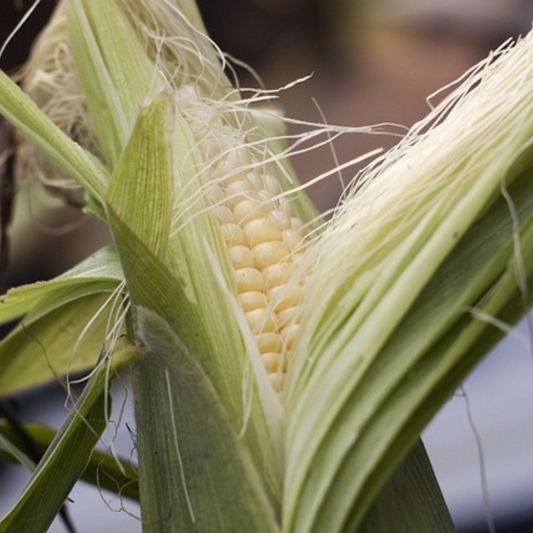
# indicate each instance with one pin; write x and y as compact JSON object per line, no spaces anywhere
{"x":370,"y":62}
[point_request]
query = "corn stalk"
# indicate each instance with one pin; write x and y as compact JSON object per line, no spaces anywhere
{"x":283,"y":366}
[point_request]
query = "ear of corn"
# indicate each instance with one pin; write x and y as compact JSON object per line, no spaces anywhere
{"x":152,"y":284}
{"x":383,"y":336}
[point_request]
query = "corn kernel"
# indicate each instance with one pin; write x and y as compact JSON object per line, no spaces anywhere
{"x":249,"y":279}
{"x":247,"y":210}
{"x":278,"y":274}
{"x":241,"y":257}
{"x":287,"y":316}
{"x":233,"y":234}
{"x":261,"y":320}
{"x":269,"y":342}
{"x":261,"y":230}
{"x":236,"y":192}
{"x":231,"y":164}
{"x":271,"y":185}
{"x":251,"y":300}
{"x":280,"y":218}
{"x":274,"y":362}
{"x":292,"y":237}
{"x":284,"y":296}
{"x":270,"y":253}
{"x":264,"y":239}
{"x":288,"y":335}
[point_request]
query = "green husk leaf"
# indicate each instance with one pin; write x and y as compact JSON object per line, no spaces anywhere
{"x":79,"y":164}
{"x":194,"y":468}
{"x":114,"y":474}
{"x":424,"y":360}
{"x":434,"y":348}
{"x":100,"y":273}
{"x":67,"y":457}
{"x":140,"y":192}
{"x":427,"y":242}
{"x":42,"y":349}
{"x":114,"y":70}
{"x":410,"y":501}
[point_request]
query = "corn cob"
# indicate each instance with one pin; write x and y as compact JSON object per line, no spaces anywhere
{"x":263,"y":237}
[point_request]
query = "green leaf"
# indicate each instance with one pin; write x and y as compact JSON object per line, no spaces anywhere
{"x":99,"y":273}
{"x":65,"y":341}
{"x":195,"y":471}
{"x":103,"y":471}
{"x":13,"y":452}
{"x":68,"y":455}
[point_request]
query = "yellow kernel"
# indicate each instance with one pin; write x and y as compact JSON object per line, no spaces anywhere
{"x":297,"y":225}
{"x":210,"y":146}
{"x":284,"y":296}
{"x":270,"y":253}
{"x":274,"y":362}
{"x":241,"y":256}
{"x":288,"y":335}
{"x":298,"y":256}
{"x":292,"y":237}
{"x":224,"y":214}
{"x":271,"y":185}
{"x":263,"y":197}
{"x":261,"y":320}
{"x":233,"y":234}
{"x":238,"y":157}
{"x":280,"y":218}
{"x":249,"y":279}
{"x":247,"y":210}
{"x":277,"y":381}
{"x":278,"y":274}
{"x":253,"y":300}
{"x":287,"y":316}
{"x":236,"y":192}
{"x":286,"y":206}
{"x":261,"y":230}
{"x":269,"y":342}
{"x":255,"y":180}
{"x":232,"y":165}
{"x":216,"y":194}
